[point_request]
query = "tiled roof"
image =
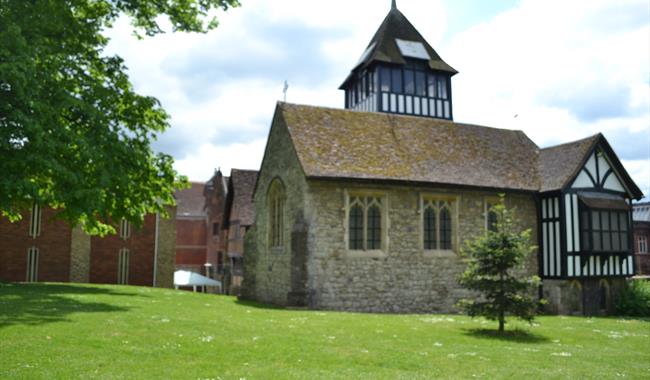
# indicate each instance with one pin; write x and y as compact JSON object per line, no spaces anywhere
{"x":560,"y":164}
{"x":243,"y":183}
{"x":394,"y":26}
{"x":383,"y":46}
{"x":190,"y":202}
{"x":339,"y":143}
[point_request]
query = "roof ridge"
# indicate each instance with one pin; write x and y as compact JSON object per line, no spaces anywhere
{"x":243,"y":170}
{"x":573,"y":142}
{"x":387,"y":115}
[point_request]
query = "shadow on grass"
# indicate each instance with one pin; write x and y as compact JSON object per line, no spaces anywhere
{"x":516,"y":336}
{"x":257,"y":305}
{"x":36,"y":304}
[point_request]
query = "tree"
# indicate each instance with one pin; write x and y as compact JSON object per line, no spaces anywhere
{"x":494,"y":259}
{"x":73,"y":133}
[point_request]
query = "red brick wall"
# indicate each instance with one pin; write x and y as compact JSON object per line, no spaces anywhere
{"x":191,"y":248}
{"x":190,"y":232}
{"x":53,"y":244}
{"x":141,"y":244}
{"x":216,"y":202}
{"x":642,"y":259}
{"x":188,"y":256}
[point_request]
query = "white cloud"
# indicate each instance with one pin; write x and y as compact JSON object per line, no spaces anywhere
{"x":238,"y":156}
{"x":566,"y":69}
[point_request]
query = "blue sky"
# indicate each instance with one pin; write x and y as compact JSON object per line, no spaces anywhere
{"x":566,"y":69}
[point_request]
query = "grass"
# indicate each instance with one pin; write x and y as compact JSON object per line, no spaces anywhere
{"x":57,"y":331}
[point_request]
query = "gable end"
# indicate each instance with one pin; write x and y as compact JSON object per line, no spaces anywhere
{"x":602,"y":170}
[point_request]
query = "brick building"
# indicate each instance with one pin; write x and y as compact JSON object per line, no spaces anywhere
{"x":215,"y":193}
{"x":42,"y":248}
{"x":239,"y":215}
{"x":211,"y":221}
{"x":191,"y":229}
{"x":641,"y":217}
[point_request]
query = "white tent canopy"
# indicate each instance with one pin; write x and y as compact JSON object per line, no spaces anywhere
{"x":187,"y":278}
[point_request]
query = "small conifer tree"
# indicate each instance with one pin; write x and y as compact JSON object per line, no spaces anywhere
{"x":492,"y":272}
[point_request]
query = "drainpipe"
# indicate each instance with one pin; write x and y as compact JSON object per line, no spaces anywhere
{"x":155,"y":249}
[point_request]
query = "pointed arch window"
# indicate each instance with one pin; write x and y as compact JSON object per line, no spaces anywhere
{"x":438,"y":224}
{"x":490,"y":215}
{"x":365,"y":222}
{"x":275,"y":202}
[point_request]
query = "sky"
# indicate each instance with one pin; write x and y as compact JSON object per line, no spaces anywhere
{"x":558,"y":70}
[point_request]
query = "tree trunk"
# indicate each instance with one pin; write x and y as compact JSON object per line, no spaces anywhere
{"x":502,"y":306}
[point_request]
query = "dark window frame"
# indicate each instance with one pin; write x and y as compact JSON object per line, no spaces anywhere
{"x":441,"y":85}
{"x":594,"y":231}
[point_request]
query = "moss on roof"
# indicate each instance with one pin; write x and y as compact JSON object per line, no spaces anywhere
{"x":396,"y":25}
{"x":561,"y":163}
{"x":339,"y":143}
{"x":240,"y":196}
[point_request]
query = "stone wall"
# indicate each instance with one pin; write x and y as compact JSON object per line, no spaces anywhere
{"x":267,"y":271}
{"x":593,"y":296}
{"x":165,"y":262}
{"x":402,"y":278}
{"x":79,"y":256}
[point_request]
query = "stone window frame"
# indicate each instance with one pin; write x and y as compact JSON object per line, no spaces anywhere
{"x":125,"y":229}
{"x":123,"y":261}
{"x":366,"y":253}
{"x":642,"y":244}
{"x":488,"y":201}
{"x":275,"y":231}
{"x":455,"y":217}
{"x":32,"y":264}
{"x":35,"y":221}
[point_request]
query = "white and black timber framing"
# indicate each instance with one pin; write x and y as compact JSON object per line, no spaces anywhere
{"x":585,"y":229}
{"x":400,"y":73}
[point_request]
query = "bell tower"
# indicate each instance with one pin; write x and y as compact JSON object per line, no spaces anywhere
{"x":399,"y":72}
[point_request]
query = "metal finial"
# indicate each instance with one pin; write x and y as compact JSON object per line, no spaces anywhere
{"x":394,"y":5}
{"x":284,"y":90}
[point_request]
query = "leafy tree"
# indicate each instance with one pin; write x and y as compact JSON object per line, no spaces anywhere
{"x":492,"y":271}
{"x":73,"y":133}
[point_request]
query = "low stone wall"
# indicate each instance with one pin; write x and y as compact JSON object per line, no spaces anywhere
{"x":582,"y":296}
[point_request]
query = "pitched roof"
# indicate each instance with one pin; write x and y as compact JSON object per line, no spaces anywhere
{"x":336,"y":143}
{"x":641,"y":212}
{"x":242,"y":183}
{"x":383,"y":46}
{"x":561,"y":163}
{"x":394,"y":26}
{"x":190,"y":202}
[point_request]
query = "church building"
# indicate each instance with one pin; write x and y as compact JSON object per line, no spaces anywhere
{"x":367,"y":208}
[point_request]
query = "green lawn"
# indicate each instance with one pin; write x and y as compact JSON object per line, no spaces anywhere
{"x":57,"y":331}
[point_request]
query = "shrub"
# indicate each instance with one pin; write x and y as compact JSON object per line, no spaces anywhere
{"x":634,"y":301}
